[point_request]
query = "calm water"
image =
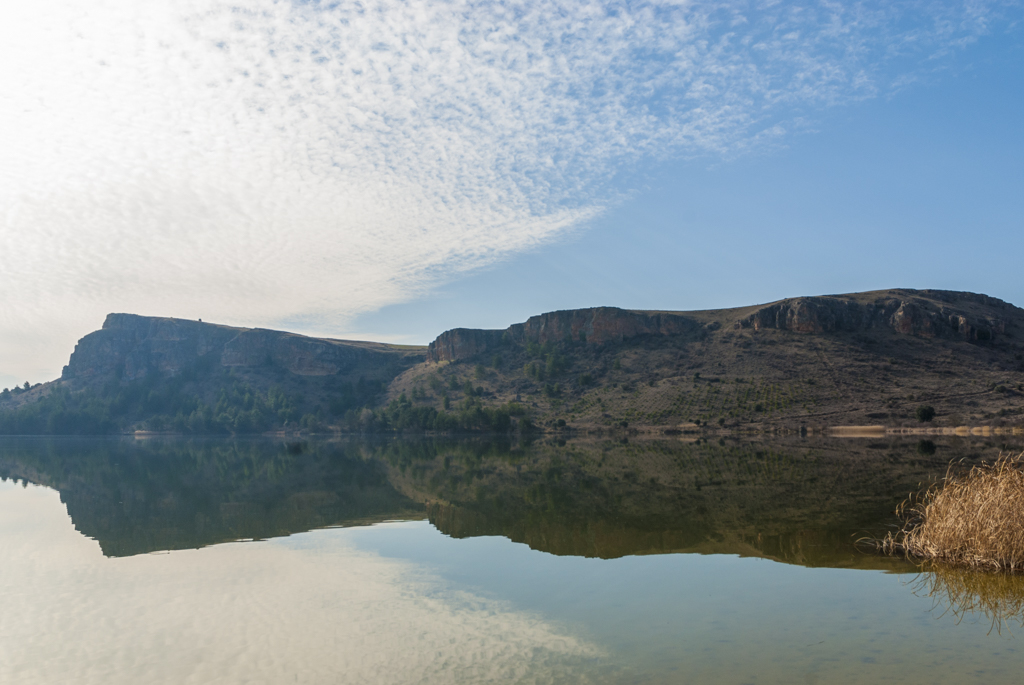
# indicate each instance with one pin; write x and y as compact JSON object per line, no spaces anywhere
{"x":165,"y":561}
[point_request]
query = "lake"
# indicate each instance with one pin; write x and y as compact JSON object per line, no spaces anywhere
{"x":470,"y":561}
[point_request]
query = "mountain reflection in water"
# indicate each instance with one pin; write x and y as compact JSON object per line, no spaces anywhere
{"x":799,"y":501}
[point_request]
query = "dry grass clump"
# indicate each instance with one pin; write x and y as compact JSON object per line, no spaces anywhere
{"x":973,"y":519}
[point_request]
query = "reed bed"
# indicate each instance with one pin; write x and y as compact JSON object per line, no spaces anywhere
{"x":972,"y":519}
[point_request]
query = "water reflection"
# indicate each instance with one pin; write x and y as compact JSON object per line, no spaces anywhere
{"x":965,"y":593}
{"x":798,"y":501}
{"x":447,"y":598}
{"x":313,"y":608}
{"x":138,"y":496}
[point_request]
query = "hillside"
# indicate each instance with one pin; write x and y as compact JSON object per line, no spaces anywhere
{"x":804,"y":363}
{"x":866,"y":358}
{"x":161,"y":374}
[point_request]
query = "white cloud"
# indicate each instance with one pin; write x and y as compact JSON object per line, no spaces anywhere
{"x":252,"y":162}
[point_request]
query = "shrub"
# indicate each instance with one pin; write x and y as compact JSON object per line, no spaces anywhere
{"x":554,"y":364}
{"x":925,"y":413}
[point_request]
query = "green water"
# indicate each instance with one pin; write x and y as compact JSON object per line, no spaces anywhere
{"x":423,"y":561}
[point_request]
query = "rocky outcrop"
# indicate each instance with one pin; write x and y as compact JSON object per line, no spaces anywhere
{"x":598,"y":325}
{"x":924,"y":313}
{"x":300,"y":355}
{"x":930,"y":317}
{"x":461,"y":343}
{"x":131,"y":347}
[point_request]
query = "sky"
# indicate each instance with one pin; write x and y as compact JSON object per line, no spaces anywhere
{"x":387,"y":170}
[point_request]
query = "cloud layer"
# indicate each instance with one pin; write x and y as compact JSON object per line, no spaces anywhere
{"x":310,"y":161}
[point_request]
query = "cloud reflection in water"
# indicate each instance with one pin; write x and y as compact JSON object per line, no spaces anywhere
{"x":308,"y":609}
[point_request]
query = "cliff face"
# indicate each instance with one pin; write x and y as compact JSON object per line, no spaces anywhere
{"x":461,"y":343}
{"x":597,"y":326}
{"x":925,"y":313}
{"x":130,"y":347}
{"x":600,"y":325}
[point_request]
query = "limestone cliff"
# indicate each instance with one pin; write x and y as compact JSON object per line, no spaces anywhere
{"x":131,"y":347}
{"x":925,"y":313}
{"x":597,"y":326}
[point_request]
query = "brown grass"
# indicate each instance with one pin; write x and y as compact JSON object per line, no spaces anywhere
{"x":973,"y":519}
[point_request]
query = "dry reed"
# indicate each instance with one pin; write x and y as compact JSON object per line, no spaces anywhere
{"x":973,"y":519}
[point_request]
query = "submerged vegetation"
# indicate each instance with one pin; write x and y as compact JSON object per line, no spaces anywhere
{"x":972,"y":519}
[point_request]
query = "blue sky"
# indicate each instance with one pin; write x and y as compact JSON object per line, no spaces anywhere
{"x":391,"y":169}
{"x":921,"y":189}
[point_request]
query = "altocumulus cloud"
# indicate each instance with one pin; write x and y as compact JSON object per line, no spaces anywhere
{"x":269,"y":160}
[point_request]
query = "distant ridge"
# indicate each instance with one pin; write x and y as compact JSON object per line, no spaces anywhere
{"x":928,"y":313}
{"x":795,"y":364}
